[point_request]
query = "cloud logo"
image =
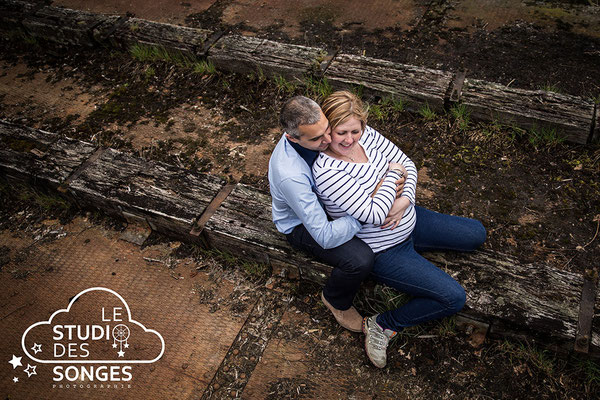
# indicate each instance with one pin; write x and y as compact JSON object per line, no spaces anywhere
{"x":97,"y":329}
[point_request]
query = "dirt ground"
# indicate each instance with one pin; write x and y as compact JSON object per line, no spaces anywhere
{"x":539,"y":199}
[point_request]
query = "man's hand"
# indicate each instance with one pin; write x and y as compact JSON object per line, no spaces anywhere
{"x":396,"y":212}
{"x":399,"y":182}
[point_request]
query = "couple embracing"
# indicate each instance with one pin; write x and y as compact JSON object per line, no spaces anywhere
{"x":345,"y":194}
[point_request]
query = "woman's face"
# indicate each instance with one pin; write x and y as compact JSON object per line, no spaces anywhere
{"x":345,"y":136}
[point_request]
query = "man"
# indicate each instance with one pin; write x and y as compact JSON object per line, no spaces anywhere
{"x":298,"y":213}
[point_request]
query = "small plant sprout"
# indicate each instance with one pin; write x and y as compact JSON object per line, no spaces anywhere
{"x":544,"y":136}
{"x":317,"y":89}
{"x":144,"y":53}
{"x":461,"y":116}
{"x":550,"y":87}
{"x":427,"y":112}
{"x":283,"y":85}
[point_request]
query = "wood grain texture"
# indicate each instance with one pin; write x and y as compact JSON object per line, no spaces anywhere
{"x":172,"y":37}
{"x":245,"y":55}
{"x":65,"y":26}
{"x":529,"y":108}
{"x":170,"y":198}
{"x":34,"y":155}
{"x":416,"y":85}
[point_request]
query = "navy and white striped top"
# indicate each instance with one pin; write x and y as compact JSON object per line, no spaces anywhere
{"x":345,"y":188}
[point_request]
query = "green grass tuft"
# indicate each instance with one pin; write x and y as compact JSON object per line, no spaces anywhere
{"x":427,"y":113}
{"x":317,"y":89}
{"x":461,"y":115}
{"x":145,"y":53}
{"x":550,"y":87}
{"x":539,"y":136}
{"x":386,"y":107}
{"x":284,"y":86}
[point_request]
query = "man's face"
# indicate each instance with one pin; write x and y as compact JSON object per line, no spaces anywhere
{"x":314,"y":137}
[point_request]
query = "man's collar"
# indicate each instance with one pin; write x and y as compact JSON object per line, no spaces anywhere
{"x":309,"y":156}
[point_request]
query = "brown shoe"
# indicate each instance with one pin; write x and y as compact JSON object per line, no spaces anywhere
{"x":349,"y":319}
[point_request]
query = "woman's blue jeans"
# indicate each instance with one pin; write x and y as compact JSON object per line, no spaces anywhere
{"x":435,"y":294}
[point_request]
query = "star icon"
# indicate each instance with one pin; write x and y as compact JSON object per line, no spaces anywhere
{"x":121,"y":353}
{"x":16,"y":362}
{"x":15,"y":379}
{"x":37,"y":348}
{"x":30,"y":370}
{"x":126,"y":345}
{"x":114,"y":345}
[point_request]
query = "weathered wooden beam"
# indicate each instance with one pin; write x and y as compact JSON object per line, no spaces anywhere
{"x":168,"y":197}
{"x":416,"y":85}
{"x":586,"y":312}
{"x":172,"y":37}
{"x":65,"y":26}
{"x":533,"y":296}
{"x":529,"y":109}
{"x":595,"y":134}
{"x":243,"y":226}
{"x":245,"y":55}
{"x":12,"y":13}
{"x":33,"y":155}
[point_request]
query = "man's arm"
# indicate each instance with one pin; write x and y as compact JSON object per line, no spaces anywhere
{"x":328,"y":234}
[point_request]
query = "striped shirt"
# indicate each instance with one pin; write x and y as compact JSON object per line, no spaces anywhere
{"x":345,"y":188}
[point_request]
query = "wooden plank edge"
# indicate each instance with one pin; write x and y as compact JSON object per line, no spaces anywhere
{"x":84,"y":165}
{"x":594,"y":136}
{"x":586,"y":312}
{"x":212,"y":207}
{"x":455,"y":89}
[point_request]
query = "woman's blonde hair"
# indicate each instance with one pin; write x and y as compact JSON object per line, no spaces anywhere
{"x":340,"y":106}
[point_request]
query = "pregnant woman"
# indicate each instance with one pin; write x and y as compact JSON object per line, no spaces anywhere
{"x":355,"y":176}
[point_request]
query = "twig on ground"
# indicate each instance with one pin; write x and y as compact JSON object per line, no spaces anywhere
{"x":596,"y":234}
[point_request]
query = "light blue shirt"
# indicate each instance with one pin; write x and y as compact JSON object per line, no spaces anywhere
{"x":295,"y":202}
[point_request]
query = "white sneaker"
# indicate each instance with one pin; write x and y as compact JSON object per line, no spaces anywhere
{"x":376,"y":340}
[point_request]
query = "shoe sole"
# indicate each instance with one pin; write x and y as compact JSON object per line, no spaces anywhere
{"x":329,"y":306}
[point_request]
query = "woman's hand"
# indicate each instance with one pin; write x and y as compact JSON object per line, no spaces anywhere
{"x":396,"y":212}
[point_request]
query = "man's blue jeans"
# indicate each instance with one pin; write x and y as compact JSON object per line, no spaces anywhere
{"x":435,"y":294}
{"x":352,"y":263}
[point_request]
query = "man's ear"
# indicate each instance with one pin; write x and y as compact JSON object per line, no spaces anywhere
{"x":291,"y":138}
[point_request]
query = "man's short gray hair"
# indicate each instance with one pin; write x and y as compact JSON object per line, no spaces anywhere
{"x":298,"y":111}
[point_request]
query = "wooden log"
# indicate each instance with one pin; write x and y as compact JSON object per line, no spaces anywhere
{"x":245,"y":55}
{"x":172,"y":37}
{"x":12,"y":13}
{"x":243,"y":226}
{"x":528,"y":109}
{"x":532,"y":296}
{"x":65,"y":26}
{"x":36,"y":156}
{"x":416,"y":85}
{"x":169,"y":198}
{"x":595,"y":341}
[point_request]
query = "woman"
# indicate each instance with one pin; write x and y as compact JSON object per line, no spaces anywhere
{"x":355,"y":176}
